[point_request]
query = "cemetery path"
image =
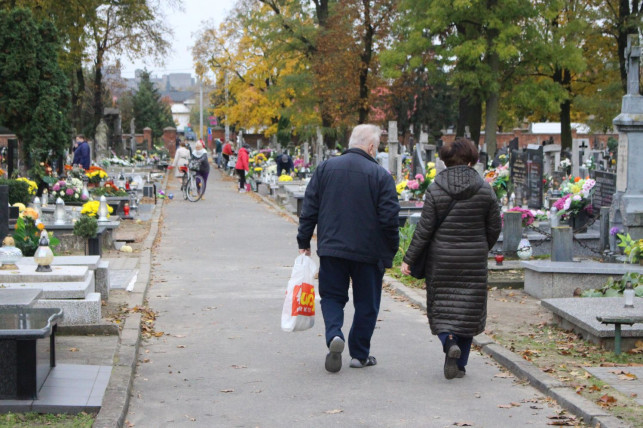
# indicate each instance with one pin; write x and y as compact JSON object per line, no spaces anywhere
{"x":218,"y":279}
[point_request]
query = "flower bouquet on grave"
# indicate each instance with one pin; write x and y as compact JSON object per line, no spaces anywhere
{"x":69,"y":190}
{"x":27,"y":232}
{"x":284,"y":178}
{"x":577,"y":197}
{"x":90,"y":209}
{"x":33,"y":187}
{"x":527,"y":216}
{"x":498,"y":178}
{"x":96,"y":174}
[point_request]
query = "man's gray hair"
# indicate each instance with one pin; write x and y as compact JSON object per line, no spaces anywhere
{"x":363,"y":135}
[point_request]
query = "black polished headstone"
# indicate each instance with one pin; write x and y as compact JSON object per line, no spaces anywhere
{"x":12,"y":156}
{"x":518,"y":171}
{"x":4,"y":211}
{"x":535,"y":160}
{"x":604,"y":189}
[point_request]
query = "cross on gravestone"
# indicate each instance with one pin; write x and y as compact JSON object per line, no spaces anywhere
{"x":633,"y":55}
{"x":581,"y":152}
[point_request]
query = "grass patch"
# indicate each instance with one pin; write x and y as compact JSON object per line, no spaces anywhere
{"x":564,"y":355}
{"x":19,"y":420}
{"x":407,"y":280}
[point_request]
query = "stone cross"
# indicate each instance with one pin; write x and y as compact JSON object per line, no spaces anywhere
{"x":633,"y":55}
{"x":132,"y":128}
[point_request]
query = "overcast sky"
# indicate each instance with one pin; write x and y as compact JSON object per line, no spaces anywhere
{"x":185,"y":24}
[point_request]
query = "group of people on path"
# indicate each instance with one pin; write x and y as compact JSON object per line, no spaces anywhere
{"x":353,"y":203}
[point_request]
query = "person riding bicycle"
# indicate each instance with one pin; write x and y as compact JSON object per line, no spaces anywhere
{"x":201,"y":154}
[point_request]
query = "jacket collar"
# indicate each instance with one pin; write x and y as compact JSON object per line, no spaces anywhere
{"x":359,"y":152}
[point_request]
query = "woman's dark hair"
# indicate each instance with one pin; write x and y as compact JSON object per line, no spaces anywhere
{"x":460,"y":152}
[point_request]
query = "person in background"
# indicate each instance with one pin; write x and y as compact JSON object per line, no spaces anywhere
{"x":218,"y":148}
{"x":226,"y":153}
{"x":81,"y":152}
{"x":242,"y":166}
{"x":181,"y":158}
{"x":353,"y":203}
{"x":284,"y":163}
{"x":201,"y":154}
{"x":460,"y":223}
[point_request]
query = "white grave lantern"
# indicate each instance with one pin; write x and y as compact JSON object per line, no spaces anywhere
{"x":59,"y":212}
{"x":103,"y":211}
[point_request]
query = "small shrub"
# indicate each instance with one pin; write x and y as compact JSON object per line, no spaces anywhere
{"x":18,"y":191}
{"x":86,"y":227}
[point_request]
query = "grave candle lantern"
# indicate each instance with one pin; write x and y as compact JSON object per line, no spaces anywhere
{"x":43,"y":255}
{"x":59,"y":212}
{"x":126,"y":210}
{"x":102,"y":209}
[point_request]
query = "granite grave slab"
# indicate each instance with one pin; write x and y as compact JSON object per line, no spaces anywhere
{"x":579,"y":314}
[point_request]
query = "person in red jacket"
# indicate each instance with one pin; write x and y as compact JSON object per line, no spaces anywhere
{"x":242,"y":166}
{"x":227,"y":152}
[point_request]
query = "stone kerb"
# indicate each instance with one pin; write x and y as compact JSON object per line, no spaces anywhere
{"x":545,"y":279}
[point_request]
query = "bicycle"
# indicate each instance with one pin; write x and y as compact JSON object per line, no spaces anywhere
{"x":192,"y":184}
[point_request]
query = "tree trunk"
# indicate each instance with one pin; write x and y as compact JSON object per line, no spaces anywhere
{"x":365,"y":60}
{"x":493,"y":61}
{"x":98,"y":90}
{"x":475,"y":121}
{"x":564,"y":78}
{"x":491,"y":124}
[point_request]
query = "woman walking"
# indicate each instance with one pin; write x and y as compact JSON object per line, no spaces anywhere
{"x":201,"y":154}
{"x":460,"y":223}
{"x":181,"y":158}
{"x":241,"y":167}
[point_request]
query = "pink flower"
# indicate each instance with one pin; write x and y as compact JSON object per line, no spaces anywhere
{"x":419,"y":178}
{"x":83,"y":197}
{"x":69,"y":191}
{"x":56,"y":187}
{"x":412,"y":184}
{"x":560,"y":203}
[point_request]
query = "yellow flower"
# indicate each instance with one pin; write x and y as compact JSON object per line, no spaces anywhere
{"x":21,"y":207}
{"x":41,"y":226}
{"x":91,"y":209}
{"x":432,"y":173}
{"x":400,"y":186}
{"x":258,"y":169}
{"x":430,"y":165}
{"x":33,"y":187}
{"x":285,"y":177}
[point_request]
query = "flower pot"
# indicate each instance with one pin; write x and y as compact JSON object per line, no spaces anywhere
{"x":579,"y":221}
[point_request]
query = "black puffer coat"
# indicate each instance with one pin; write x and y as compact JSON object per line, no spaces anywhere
{"x":456,"y":267}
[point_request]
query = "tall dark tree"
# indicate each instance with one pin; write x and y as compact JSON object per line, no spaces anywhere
{"x":34,"y":99}
{"x":149,"y":109}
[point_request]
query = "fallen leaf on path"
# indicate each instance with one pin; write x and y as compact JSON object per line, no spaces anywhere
{"x":504,"y":375}
{"x":623,"y":375}
{"x":463,"y":424}
{"x":606,"y":400}
{"x":190,"y":418}
{"x":236,"y":366}
{"x":180,"y":346}
{"x":179,"y":336}
{"x":505,"y":406}
{"x":227,"y":390}
{"x":73,"y":349}
{"x":333,"y":412}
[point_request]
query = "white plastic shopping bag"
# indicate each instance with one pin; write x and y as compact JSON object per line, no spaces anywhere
{"x":299,"y":307}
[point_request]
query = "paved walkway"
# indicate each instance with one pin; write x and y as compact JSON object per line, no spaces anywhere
{"x":218,"y":280}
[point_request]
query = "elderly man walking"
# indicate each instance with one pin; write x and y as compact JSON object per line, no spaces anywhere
{"x":353,"y":202}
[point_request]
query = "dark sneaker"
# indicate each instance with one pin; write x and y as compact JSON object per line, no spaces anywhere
{"x":358,"y":364}
{"x":452,"y":353}
{"x":334,"y":357}
{"x":461,"y":372}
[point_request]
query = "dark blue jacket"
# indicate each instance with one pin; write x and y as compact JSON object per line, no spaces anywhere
{"x":353,"y":202}
{"x":81,"y":155}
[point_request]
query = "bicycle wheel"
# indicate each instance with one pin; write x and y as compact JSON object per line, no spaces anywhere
{"x":195,"y":188}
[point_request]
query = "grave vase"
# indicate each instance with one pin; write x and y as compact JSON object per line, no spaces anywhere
{"x":578,"y":222}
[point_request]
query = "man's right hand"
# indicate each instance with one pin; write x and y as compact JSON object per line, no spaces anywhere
{"x":305,"y":251}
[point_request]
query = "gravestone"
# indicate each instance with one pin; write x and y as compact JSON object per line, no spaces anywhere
{"x":306,"y":154}
{"x":319,"y":148}
{"x":535,"y":177}
{"x":603,"y":190}
{"x":12,"y":156}
{"x":132,"y":141}
{"x":580,"y":153}
{"x":511,"y":233}
{"x":518,"y":171}
{"x":101,"y":149}
{"x":4,"y":211}
{"x":393,"y":149}
{"x":419,"y":161}
{"x":552,"y":158}
{"x":627,"y":205}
